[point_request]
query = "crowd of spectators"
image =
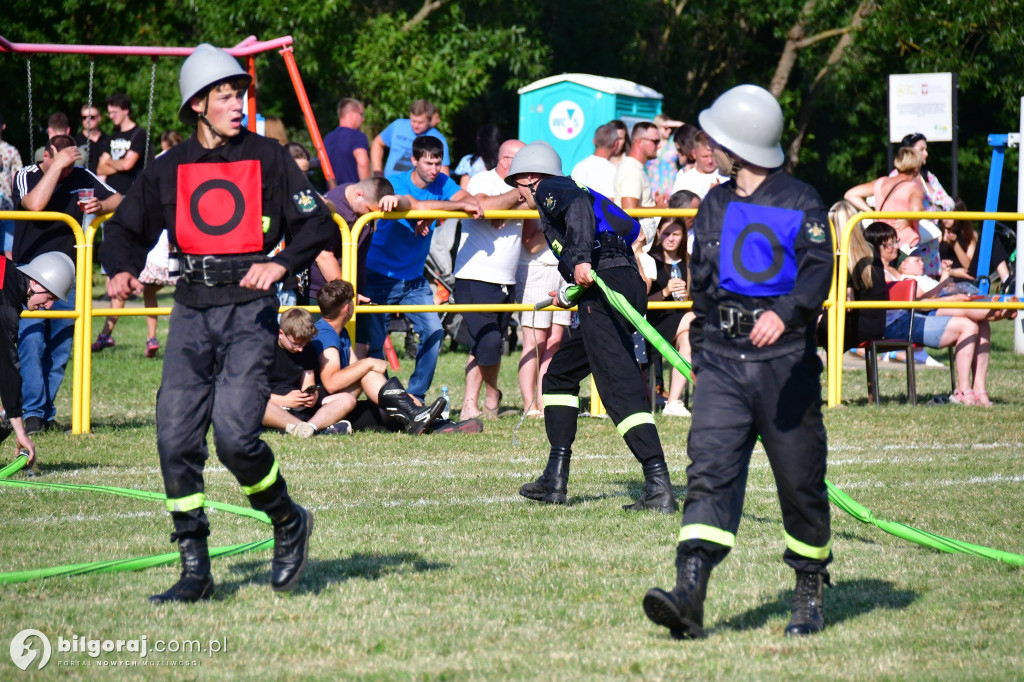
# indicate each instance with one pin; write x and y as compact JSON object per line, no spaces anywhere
{"x":664,"y":163}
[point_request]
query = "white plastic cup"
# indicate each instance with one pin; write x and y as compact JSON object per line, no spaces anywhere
{"x":85,"y":195}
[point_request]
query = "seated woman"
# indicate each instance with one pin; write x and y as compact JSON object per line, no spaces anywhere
{"x":960,"y":245}
{"x":669,"y":253}
{"x":862,"y":284}
{"x":933,"y":331}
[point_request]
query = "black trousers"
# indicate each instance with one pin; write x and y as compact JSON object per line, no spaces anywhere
{"x":603,"y":346}
{"x":216,"y":365}
{"x":734,"y":402}
{"x":486,"y":329}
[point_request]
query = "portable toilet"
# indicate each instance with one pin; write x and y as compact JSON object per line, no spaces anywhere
{"x":565,"y":111}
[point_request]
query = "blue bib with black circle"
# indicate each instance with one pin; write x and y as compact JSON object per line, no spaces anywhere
{"x":758,"y":255}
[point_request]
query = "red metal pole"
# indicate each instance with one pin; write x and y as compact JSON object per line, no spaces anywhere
{"x":307,"y":110}
{"x":251,"y":63}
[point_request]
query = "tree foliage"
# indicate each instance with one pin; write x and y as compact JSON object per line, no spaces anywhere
{"x":828,"y":60}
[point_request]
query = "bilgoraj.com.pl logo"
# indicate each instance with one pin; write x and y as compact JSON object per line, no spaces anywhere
{"x":31,"y":647}
{"x":25,"y":649}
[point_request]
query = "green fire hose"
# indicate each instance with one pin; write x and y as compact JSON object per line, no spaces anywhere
{"x":568,"y":294}
{"x":835,"y":495}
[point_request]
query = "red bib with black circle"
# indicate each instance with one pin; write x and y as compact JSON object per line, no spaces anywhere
{"x":220,"y":208}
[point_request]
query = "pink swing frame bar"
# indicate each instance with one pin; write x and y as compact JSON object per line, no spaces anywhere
{"x":248,"y":48}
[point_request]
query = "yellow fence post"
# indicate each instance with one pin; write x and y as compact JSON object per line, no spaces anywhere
{"x":76,"y":230}
{"x":86,"y":350}
{"x":596,"y":406}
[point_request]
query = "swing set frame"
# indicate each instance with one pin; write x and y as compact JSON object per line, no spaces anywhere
{"x":248,"y":48}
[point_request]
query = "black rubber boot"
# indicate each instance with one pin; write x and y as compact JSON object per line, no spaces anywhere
{"x":291,"y":548}
{"x":657,"y":493}
{"x":552,"y":485}
{"x":808,"y":602}
{"x":682,"y":609}
{"x":195,"y":582}
{"x":399,"y":405}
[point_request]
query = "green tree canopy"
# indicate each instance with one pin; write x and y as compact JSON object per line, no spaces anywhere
{"x":827,"y":60}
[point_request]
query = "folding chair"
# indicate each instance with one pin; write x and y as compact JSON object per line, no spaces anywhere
{"x":905,"y":290}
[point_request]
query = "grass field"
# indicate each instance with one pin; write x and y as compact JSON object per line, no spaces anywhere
{"x":426,"y":564}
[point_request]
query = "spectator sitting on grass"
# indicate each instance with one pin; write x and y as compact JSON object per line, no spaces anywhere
{"x":343,"y":376}
{"x":297,"y":405}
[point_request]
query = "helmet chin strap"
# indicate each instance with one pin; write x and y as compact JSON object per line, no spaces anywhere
{"x":203,"y":117}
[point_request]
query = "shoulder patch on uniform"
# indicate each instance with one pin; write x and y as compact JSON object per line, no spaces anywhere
{"x":550,"y":202}
{"x":582,"y":186}
{"x":304,"y":201}
{"x":816,"y":232}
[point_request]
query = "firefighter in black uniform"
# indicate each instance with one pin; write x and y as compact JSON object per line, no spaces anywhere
{"x":35,"y":286}
{"x":589,"y":234}
{"x":760,"y":271}
{"x":226,"y":198}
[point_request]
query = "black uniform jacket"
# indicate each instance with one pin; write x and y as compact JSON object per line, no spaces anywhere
{"x":769,"y":251}
{"x":13,"y":294}
{"x":583,"y":226}
{"x":240,"y":198}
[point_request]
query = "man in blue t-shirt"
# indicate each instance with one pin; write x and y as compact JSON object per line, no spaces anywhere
{"x":347,"y":146}
{"x":398,"y":252}
{"x":398,"y":138}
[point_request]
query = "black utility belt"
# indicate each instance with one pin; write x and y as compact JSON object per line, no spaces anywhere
{"x":611,"y":244}
{"x":214,"y":271}
{"x":736,"y":321}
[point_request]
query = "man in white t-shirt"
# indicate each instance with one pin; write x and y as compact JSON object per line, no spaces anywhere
{"x":596,"y":171}
{"x":632,"y":187}
{"x":485,"y":272}
{"x":704,"y":174}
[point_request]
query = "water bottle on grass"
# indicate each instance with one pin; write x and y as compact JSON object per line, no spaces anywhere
{"x":447,"y":402}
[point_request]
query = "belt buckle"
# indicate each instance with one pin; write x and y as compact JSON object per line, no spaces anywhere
{"x":727,"y":321}
{"x":746,"y":327}
{"x":208,"y":263}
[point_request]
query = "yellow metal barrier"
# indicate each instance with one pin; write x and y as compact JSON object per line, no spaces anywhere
{"x":83,"y":351}
{"x":80,"y":273}
{"x":596,"y":406}
{"x":842,"y":305}
{"x":81,"y":412}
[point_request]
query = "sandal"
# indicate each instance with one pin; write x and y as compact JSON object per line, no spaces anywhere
{"x":963,"y":397}
{"x":535,"y":414}
{"x":981,"y":398}
{"x":492,"y":413}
